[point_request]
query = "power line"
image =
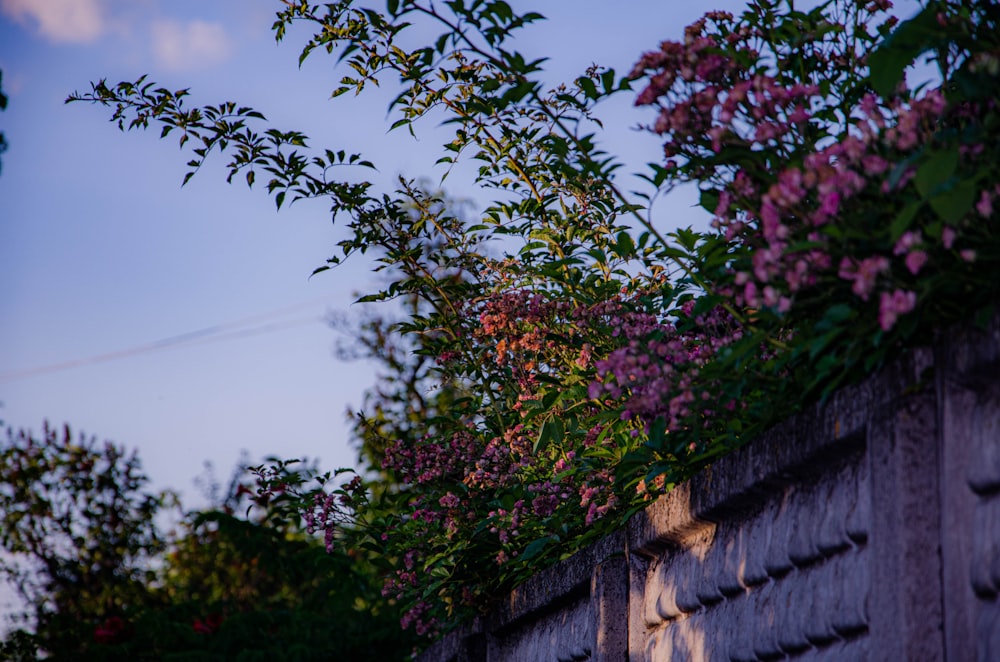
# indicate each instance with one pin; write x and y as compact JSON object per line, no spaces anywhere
{"x":227,"y":331}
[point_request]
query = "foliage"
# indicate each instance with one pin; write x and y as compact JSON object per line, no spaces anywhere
{"x":587,"y":359}
{"x":78,"y":528}
{"x":408,"y":395}
{"x":224,"y":586}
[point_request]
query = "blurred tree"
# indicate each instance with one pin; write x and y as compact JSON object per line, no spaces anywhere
{"x":79,"y":531}
{"x":246,"y":580}
{"x":239,"y":581}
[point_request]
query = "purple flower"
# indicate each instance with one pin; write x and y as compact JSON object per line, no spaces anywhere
{"x":915,"y":261}
{"x":985,"y":205}
{"x":894,"y":304}
{"x":863,"y":273}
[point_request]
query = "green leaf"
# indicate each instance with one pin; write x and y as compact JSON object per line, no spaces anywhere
{"x":953,"y":205}
{"x":936,"y":170}
{"x":558,"y":430}
{"x":911,"y":38}
{"x":886,"y":69}
{"x":709,"y":200}
{"x":834,"y":315}
{"x":903,"y":220}
{"x":900,"y":169}
{"x":588,"y":87}
{"x":536,"y":547}
{"x":657,"y":432}
{"x":624,"y":247}
{"x":608,"y":81}
{"x":551,"y":431}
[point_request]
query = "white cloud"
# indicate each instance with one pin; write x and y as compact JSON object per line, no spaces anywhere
{"x":192,"y":45}
{"x":74,"y":21}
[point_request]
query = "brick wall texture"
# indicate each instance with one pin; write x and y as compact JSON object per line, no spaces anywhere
{"x":864,"y":529}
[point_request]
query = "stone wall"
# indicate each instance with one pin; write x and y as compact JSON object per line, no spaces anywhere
{"x":866,"y":529}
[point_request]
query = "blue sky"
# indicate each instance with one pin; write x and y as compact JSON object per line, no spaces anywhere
{"x":104,"y":252}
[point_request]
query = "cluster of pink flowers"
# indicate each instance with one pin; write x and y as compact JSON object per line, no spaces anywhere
{"x":430,"y":460}
{"x":329,"y":512}
{"x":597,"y":495}
{"x":656,"y":373}
{"x":789,"y":249}
{"x":649,"y":366}
{"x":704,"y":88}
{"x":325,"y":515}
{"x":712,"y":92}
{"x":518,"y":329}
{"x":404,"y":578}
{"x":417,"y":617}
{"x":892,"y":305}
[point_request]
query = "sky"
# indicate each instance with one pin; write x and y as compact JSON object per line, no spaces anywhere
{"x":182,"y":321}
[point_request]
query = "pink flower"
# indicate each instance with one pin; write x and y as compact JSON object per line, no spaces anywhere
{"x":874,"y":164}
{"x":773,"y":300}
{"x":789,"y":190}
{"x":915,"y":261}
{"x":648,"y":95}
{"x":891,"y":306}
{"x":771,"y":222}
{"x":799,"y":116}
{"x":985,"y":205}
{"x":948,"y":237}
{"x":797,"y":275}
{"x":831,"y":203}
{"x":863,"y":273}
{"x":906,"y":243}
{"x":770,"y":296}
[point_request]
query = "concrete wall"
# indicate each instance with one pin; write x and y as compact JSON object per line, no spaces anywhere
{"x":867,"y":529}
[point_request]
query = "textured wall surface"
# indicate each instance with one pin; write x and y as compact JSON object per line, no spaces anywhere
{"x":866,"y":529}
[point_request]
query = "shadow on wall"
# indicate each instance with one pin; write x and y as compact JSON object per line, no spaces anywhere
{"x":781,"y":572}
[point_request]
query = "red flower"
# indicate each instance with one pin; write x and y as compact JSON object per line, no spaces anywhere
{"x":210,"y":625}
{"x":110,"y":631}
